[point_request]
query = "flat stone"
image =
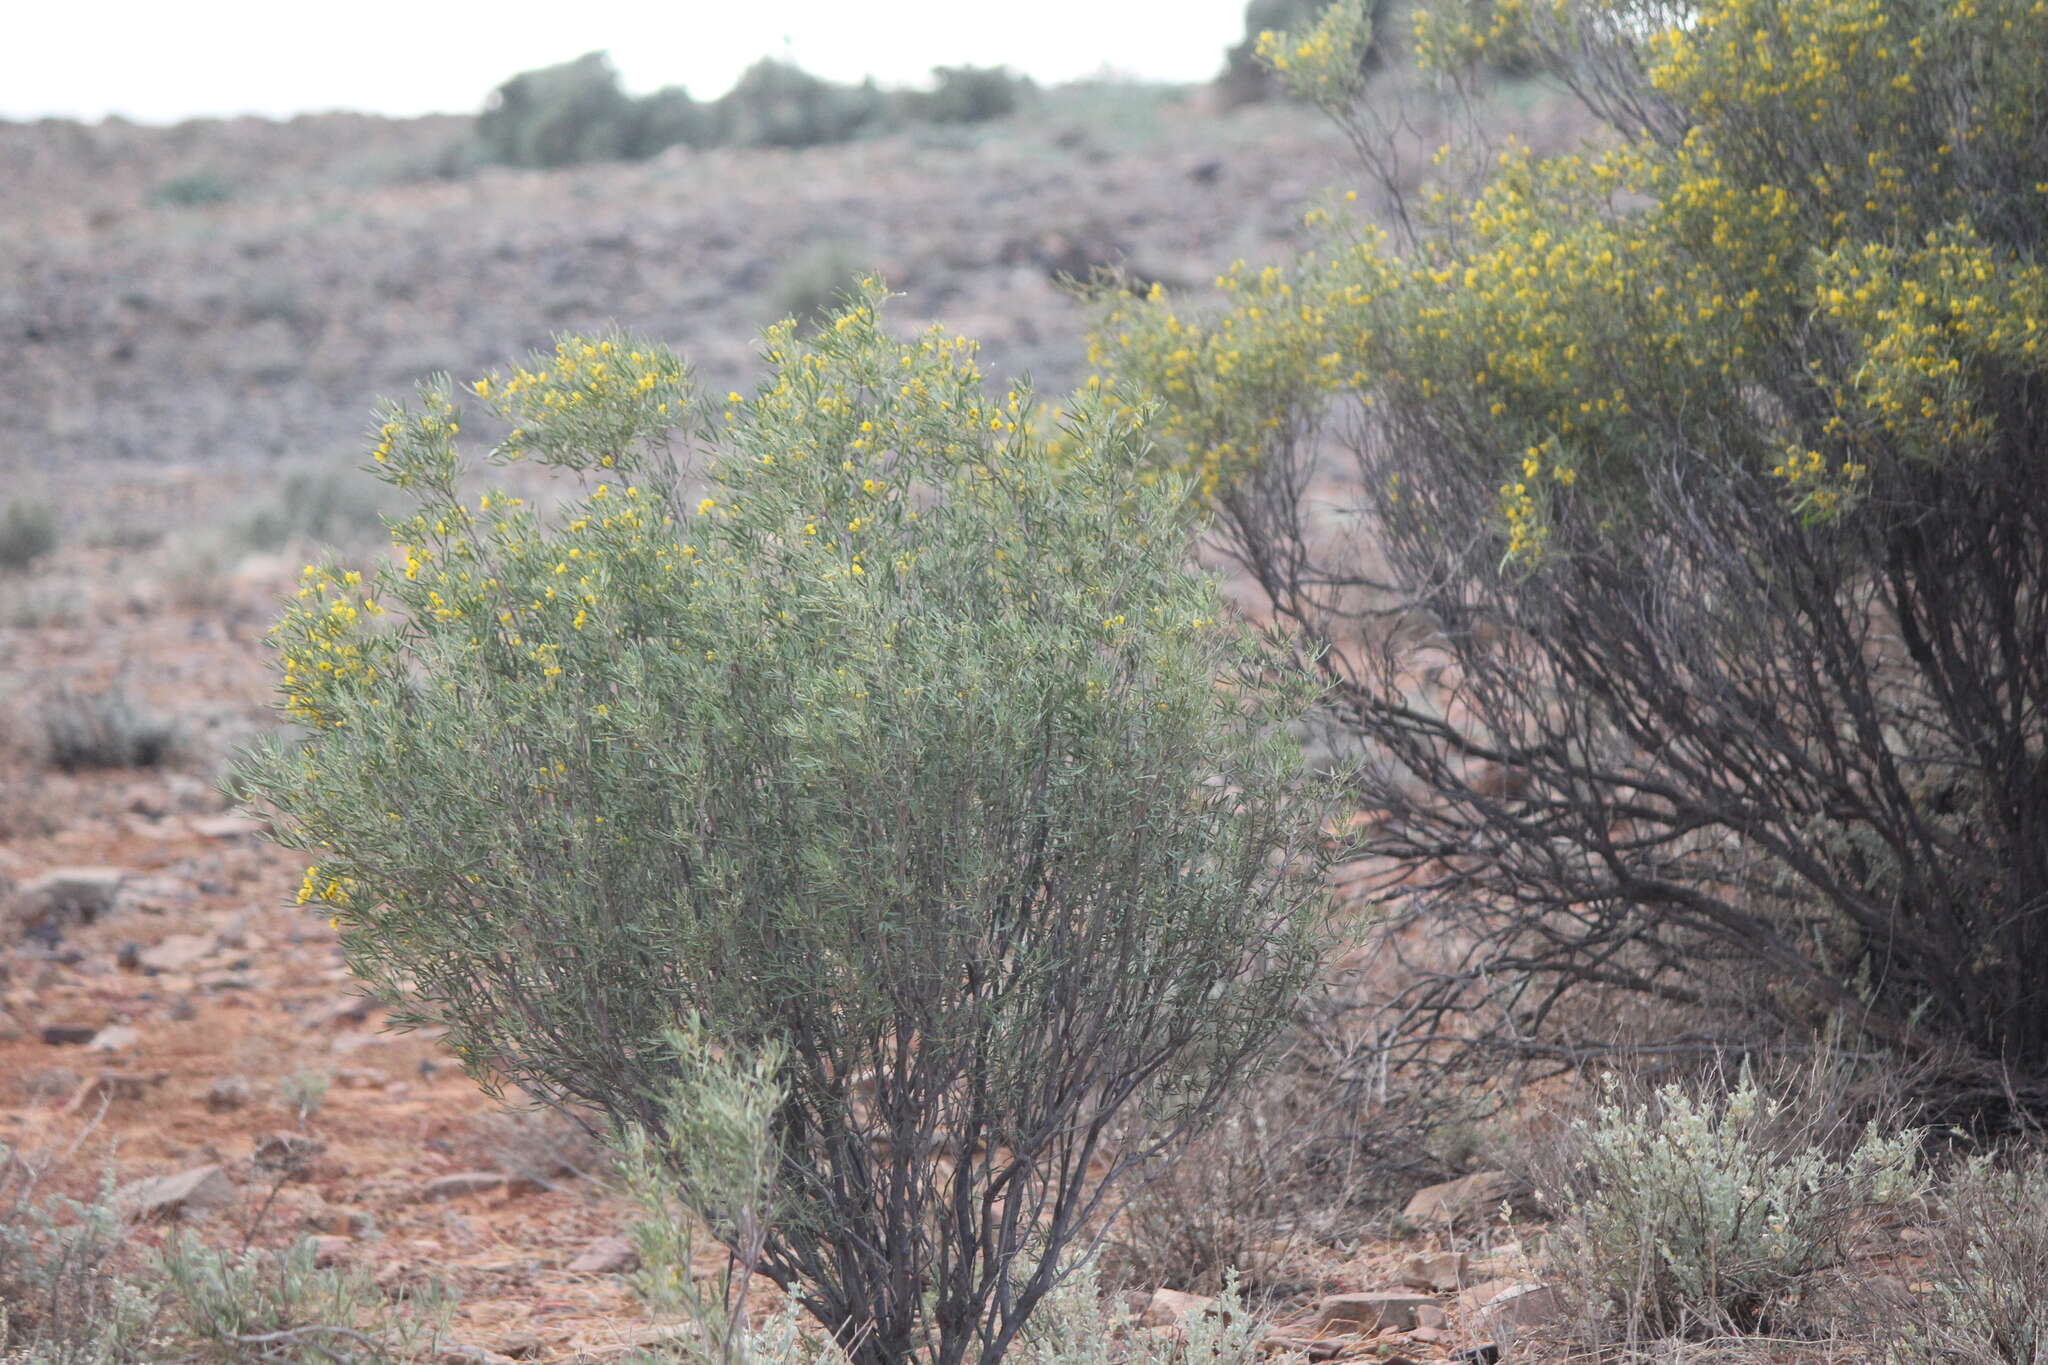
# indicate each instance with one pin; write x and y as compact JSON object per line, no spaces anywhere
{"x":228,"y":1093}
{"x":115,"y":1038}
{"x":1366,"y":1314}
{"x":1522,"y":1305}
{"x":163,"y":1196}
{"x":69,"y":1035}
{"x":1172,"y":1308}
{"x":230,"y":827}
{"x":1485,"y":1292}
{"x":177,"y":952}
{"x":463,"y":1185}
{"x":347,"y":1009}
{"x":607,"y":1256}
{"x":1441,"y":1271}
{"x":1455,"y":1199}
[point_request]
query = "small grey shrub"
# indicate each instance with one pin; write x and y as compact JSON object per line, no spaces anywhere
{"x":201,"y":189}
{"x":82,"y":730}
{"x":75,"y":1289}
{"x":28,"y":531}
{"x":1989,"y":1299}
{"x":1687,"y":1216}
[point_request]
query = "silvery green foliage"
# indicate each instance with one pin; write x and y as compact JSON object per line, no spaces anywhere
{"x":1080,"y":1325}
{"x":716,"y":1142}
{"x":1689,"y":1216}
{"x":1989,"y":1302}
{"x":911,"y":751}
{"x":256,"y":1307}
{"x":60,"y":1301}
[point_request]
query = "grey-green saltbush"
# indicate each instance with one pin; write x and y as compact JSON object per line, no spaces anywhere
{"x":1701,"y":1217}
{"x":906,"y":752}
{"x":28,"y":531}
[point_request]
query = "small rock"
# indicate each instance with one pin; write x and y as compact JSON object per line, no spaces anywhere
{"x":1172,"y":1308}
{"x":1455,"y":1199}
{"x":1521,"y":1305}
{"x":69,"y":1035}
{"x":348,"y":1009}
{"x":341,"y":1222}
{"x":230,"y":827}
{"x":82,"y":893}
{"x":1486,"y":1291}
{"x":331,"y":1250}
{"x":228,"y":1093}
{"x":521,"y":1345}
{"x":176,"y":953}
{"x":194,"y":1191}
{"x":116,"y":1038}
{"x":463,"y":1185}
{"x":289,"y":1154}
{"x":1379,"y":1311}
{"x":1327,"y":1349}
{"x":1441,"y":1271}
{"x":457,"y":1354}
{"x":1428,"y":1336}
{"x":1431,"y":1318}
{"x":607,"y":1256}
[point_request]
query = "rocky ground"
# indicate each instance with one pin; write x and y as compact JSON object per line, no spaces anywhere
{"x":162,"y":1002}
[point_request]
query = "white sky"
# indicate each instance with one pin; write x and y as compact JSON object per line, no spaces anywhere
{"x":163,"y":60}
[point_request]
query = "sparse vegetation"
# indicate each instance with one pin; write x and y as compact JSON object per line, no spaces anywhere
{"x":576,"y":112}
{"x":1705,"y":1215}
{"x":201,"y":189}
{"x":28,"y":531}
{"x":314,"y":507}
{"x":812,"y":286}
{"x":76,"y":1289}
{"x":303,"y":1092}
{"x":79,"y":730}
{"x":968,"y":94}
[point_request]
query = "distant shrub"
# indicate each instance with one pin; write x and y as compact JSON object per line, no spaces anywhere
{"x":812,"y":285}
{"x":671,"y":118}
{"x":28,"y":531}
{"x":191,"y":191}
{"x":314,"y":506}
{"x":969,"y":94}
{"x":916,"y":772}
{"x":779,"y":104}
{"x":1697,"y":1217}
{"x":561,"y":116}
{"x":574,"y":113}
{"x":102,"y":730}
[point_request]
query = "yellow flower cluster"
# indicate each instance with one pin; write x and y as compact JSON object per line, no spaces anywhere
{"x":322,"y":644}
{"x":1326,"y":64}
{"x":1572,"y":309}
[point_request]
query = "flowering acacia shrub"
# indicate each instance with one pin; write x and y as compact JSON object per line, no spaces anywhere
{"x":899,"y":753}
{"x":1713,"y":455}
